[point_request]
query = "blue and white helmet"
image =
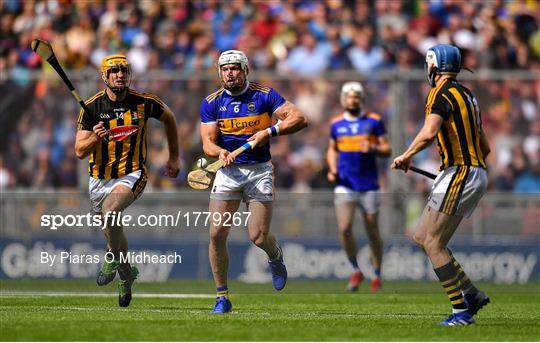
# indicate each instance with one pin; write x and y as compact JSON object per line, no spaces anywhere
{"x":445,"y":58}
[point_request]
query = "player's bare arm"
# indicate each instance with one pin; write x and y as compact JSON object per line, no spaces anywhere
{"x":86,"y":141}
{"x":172,"y":166}
{"x":423,"y":139}
{"x":291,"y":120}
{"x":331,"y":159}
{"x":209,"y":134}
{"x":383,"y":147}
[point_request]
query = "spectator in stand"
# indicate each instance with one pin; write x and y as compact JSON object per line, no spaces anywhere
{"x":365,"y":56}
{"x":301,"y":38}
{"x":309,"y":58}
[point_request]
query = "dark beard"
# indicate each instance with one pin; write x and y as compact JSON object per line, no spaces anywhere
{"x":117,"y":90}
{"x":354,"y":111}
{"x":233,"y":89}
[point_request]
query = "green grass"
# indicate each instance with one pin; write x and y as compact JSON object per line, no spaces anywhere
{"x":307,"y":310}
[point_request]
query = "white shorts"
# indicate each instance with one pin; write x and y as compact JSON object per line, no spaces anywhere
{"x":244,"y":182}
{"x":100,"y":188}
{"x":457,"y":190}
{"x":368,"y":202}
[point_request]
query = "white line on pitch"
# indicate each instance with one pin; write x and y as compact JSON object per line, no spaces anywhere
{"x":135,"y":295}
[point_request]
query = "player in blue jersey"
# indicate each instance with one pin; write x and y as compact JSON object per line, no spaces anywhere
{"x":239,"y":112}
{"x":357,"y":138}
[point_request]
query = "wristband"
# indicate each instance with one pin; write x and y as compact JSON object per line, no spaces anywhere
{"x":273,"y":131}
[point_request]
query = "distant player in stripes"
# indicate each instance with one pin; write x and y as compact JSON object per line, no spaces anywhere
{"x":114,"y":136}
{"x":357,"y":138}
{"x":453,"y":116}
{"x":241,"y":111}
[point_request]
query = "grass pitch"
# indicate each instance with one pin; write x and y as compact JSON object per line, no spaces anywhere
{"x":75,"y":310}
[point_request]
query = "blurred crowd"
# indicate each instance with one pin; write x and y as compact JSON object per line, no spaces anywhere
{"x":288,"y":42}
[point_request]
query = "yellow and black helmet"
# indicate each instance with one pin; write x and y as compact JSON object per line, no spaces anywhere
{"x":115,"y":63}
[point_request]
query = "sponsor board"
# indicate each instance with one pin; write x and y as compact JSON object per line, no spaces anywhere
{"x":310,"y":259}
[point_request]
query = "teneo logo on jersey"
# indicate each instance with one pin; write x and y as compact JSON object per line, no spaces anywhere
{"x":353,"y":143}
{"x":244,"y":125}
{"x":119,"y":133}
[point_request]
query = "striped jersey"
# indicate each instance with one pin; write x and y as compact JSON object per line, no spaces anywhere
{"x":112,"y":159}
{"x":239,"y":117}
{"x":458,"y":139}
{"x":357,"y":170}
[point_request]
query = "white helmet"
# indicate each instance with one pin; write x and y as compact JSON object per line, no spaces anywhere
{"x":233,"y":56}
{"x":351,"y":86}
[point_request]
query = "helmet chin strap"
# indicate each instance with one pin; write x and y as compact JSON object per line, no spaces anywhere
{"x":431,"y":76}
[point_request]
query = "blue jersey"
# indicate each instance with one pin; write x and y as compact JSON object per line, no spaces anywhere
{"x":357,"y":170}
{"x":239,"y":117}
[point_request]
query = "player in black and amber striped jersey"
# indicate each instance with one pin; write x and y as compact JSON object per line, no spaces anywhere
{"x":453,"y":116}
{"x":112,"y":159}
{"x":113,"y":134}
{"x":459,"y":137}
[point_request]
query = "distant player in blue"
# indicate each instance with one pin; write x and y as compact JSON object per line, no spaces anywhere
{"x":241,"y":112}
{"x":357,"y":138}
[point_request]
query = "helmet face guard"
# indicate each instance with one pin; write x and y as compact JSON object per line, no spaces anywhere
{"x":444,"y":59}
{"x":232,"y":57}
{"x":115,"y":64}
